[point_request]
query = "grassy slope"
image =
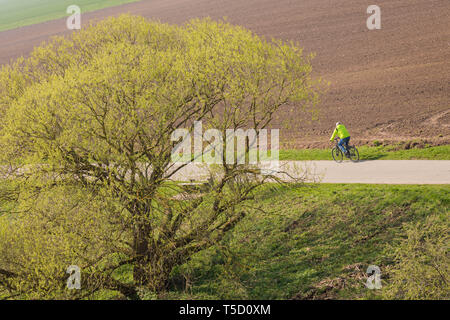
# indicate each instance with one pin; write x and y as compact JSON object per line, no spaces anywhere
{"x":17,"y":13}
{"x":305,"y":241}
{"x":372,"y":153}
{"x":314,"y":242}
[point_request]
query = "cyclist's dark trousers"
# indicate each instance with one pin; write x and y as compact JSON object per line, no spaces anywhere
{"x":343,"y":142}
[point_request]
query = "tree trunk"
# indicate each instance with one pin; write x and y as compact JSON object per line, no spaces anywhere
{"x":140,"y":270}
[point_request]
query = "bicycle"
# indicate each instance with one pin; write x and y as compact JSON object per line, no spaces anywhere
{"x":338,"y":156}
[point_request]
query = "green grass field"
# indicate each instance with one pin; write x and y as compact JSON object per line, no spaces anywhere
{"x":18,"y":13}
{"x":373,"y":153}
{"x":308,"y":242}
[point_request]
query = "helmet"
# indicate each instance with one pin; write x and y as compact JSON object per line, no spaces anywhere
{"x":337,"y":123}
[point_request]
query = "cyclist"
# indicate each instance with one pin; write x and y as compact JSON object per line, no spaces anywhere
{"x":344,"y":137}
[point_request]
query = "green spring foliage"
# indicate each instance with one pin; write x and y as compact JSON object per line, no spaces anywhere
{"x":86,"y":146}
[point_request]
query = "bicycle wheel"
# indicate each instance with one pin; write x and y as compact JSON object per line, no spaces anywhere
{"x":353,"y":154}
{"x":337,"y":154}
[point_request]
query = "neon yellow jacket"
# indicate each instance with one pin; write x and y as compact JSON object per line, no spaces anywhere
{"x":341,"y":131}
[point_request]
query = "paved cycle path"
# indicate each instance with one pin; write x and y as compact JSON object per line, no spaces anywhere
{"x":370,"y":171}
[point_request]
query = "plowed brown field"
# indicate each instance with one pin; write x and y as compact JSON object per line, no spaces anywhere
{"x":392,"y":83}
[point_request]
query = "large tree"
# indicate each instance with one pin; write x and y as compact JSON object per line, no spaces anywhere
{"x":86,"y":145}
